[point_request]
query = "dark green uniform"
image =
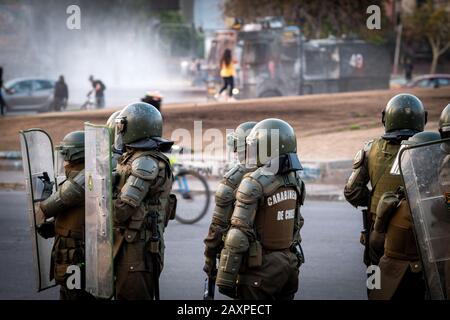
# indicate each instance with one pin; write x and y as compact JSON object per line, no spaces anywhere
{"x":262,"y":252}
{"x":373,"y":164}
{"x":143,"y":205}
{"x":268,"y":212}
{"x":225,"y":197}
{"x":400,"y":266}
{"x":140,"y":258}
{"x":66,"y":206}
{"x":403,"y":116}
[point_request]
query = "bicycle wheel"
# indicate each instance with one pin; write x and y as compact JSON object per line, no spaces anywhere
{"x":193,"y":196}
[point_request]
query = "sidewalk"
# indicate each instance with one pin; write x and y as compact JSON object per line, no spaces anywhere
{"x":12,"y":180}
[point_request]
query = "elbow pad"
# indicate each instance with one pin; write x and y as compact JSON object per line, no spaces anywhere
{"x":236,"y":245}
{"x":134,"y":191}
{"x":224,"y":205}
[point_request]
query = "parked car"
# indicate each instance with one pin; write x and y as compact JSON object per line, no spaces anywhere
{"x":26,"y":94}
{"x":436,"y":80}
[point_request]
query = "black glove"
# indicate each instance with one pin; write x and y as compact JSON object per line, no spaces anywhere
{"x":48,"y":186}
{"x":46,"y":229}
{"x":210,"y":266}
{"x":115,"y":179}
{"x":297,"y":249}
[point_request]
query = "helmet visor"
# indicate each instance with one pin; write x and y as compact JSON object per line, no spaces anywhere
{"x":251,"y":159}
{"x":120,"y":129}
{"x":70,"y":152}
{"x":59,"y":166}
{"x":231,"y":141}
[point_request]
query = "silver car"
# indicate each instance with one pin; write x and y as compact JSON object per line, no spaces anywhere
{"x":27,"y":94}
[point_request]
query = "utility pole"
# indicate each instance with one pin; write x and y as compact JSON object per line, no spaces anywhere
{"x":398,"y":28}
{"x":397,"y":48}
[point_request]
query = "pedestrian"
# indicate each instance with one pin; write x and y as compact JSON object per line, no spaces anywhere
{"x":154,"y":98}
{"x":61,"y":95}
{"x":99,"y":89}
{"x":408,"y":69}
{"x":227,"y":72}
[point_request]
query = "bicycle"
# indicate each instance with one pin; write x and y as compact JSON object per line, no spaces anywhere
{"x":89,"y":103}
{"x":192,"y":191}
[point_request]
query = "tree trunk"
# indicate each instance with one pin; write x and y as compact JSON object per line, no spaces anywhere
{"x":434,"y":61}
{"x":435,"y":51}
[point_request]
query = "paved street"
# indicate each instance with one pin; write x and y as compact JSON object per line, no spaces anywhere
{"x":116,"y":97}
{"x":333,"y":268}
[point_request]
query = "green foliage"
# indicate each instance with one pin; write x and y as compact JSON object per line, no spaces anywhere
{"x":431,"y":22}
{"x":171,"y":16}
{"x":316,"y":18}
{"x":428,"y":21}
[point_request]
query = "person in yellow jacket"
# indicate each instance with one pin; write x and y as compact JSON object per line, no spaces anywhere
{"x":227,"y":72}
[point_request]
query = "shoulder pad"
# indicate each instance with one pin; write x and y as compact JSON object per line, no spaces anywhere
{"x":145,"y":168}
{"x":268,"y":182}
{"x":359,"y":159}
{"x":249,"y":191}
{"x":368,"y":145}
{"x":361,"y":155}
{"x":224,"y":194}
{"x":235,"y":175}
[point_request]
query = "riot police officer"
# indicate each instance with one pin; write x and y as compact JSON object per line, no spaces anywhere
{"x":444,"y":130}
{"x":403,"y":116}
{"x":225,"y":197}
{"x":144,"y":204}
{"x":66,"y":206}
{"x":444,"y":123}
{"x":401,"y":269}
{"x":262,"y":252}
{"x":444,"y":175}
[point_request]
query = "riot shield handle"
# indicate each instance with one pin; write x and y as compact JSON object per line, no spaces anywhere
{"x":48,"y":187}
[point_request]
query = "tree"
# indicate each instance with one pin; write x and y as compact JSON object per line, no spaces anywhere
{"x":316,"y":18}
{"x":432,"y":22}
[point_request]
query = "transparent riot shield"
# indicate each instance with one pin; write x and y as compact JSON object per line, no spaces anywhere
{"x":425,"y":173}
{"x":37,"y":158}
{"x":98,"y":233}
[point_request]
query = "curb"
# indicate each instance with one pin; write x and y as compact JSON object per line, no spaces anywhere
{"x":325,"y":197}
{"x":11,"y":186}
{"x":314,"y":172}
{"x":11,"y":155}
{"x":16,"y":186}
